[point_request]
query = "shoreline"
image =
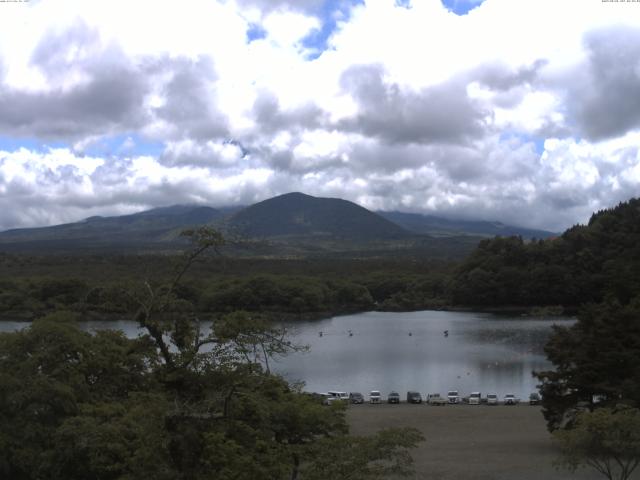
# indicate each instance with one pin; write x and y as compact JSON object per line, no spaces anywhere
{"x":524,"y":312}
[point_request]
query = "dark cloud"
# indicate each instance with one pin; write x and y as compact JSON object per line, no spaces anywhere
{"x":109,"y":98}
{"x":440,"y":114}
{"x":208,"y":154}
{"x":105,"y":104}
{"x":272,"y":118}
{"x":501,"y":77}
{"x":605,"y":96}
{"x":190,"y":97}
{"x":290,"y":161}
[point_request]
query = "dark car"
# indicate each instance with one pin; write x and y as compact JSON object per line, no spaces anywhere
{"x":414,"y":397}
{"x":534,"y":398}
{"x":394,"y":397}
{"x":356,"y":397}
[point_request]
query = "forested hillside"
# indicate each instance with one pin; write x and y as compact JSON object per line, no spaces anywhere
{"x":98,"y":286}
{"x":586,"y":264}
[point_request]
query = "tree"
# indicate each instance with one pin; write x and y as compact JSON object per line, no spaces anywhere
{"x":52,"y":373}
{"x":607,"y":440}
{"x":597,"y":358}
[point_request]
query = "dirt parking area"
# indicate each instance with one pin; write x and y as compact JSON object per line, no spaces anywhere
{"x":476,"y":442}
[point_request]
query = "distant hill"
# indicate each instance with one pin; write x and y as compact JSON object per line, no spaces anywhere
{"x":297,"y":214}
{"x":438,"y":226}
{"x":156,"y":226}
{"x":293,"y":224}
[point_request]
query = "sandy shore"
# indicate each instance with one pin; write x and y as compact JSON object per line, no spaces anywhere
{"x":472,"y":442}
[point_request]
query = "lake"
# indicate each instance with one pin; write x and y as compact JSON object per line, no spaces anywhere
{"x":409,"y":351}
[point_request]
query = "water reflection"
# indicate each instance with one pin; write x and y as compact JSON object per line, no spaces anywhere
{"x":481,"y":352}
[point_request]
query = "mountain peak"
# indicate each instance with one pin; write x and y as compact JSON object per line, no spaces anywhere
{"x":297,"y":213}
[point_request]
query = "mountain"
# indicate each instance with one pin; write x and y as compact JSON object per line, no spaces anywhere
{"x":438,"y":226}
{"x":155,"y":226}
{"x":297,"y":214}
{"x":293,"y":224}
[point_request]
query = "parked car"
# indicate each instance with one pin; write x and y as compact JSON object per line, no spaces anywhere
{"x":534,"y":398}
{"x":436,"y":399}
{"x":414,"y":397}
{"x":475,"y":398}
{"x":492,"y":399}
{"x":374,"y":396}
{"x":327,"y":399}
{"x":510,"y":399}
{"x":394,"y":397}
{"x":356,"y":397}
{"x":343,"y":396}
{"x":453,"y":396}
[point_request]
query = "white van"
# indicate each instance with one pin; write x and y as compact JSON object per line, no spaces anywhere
{"x":474,"y":398}
{"x":344,"y":396}
{"x":374,"y":396}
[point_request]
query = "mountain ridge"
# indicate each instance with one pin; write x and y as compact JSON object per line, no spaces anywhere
{"x":436,"y":226}
{"x":292,"y":224}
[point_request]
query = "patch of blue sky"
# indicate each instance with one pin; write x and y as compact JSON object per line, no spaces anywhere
{"x":403,"y":3}
{"x":255,"y":32}
{"x":130,"y":145}
{"x":11,"y":144}
{"x":461,"y":7}
{"x":538,"y":142}
{"x":331,"y":13}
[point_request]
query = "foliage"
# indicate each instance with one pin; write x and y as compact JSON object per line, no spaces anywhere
{"x":586,"y":264}
{"x":607,"y":440}
{"x":596,"y":359}
{"x":50,"y":372}
{"x":107,"y":287}
{"x":176,"y":403}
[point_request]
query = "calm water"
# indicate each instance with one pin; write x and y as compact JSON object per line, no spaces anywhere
{"x":482,"y":352}
{"x":409,"y":351}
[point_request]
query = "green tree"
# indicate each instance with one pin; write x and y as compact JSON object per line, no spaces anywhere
{"x":596,"y":358}
{"x":607,"y":440}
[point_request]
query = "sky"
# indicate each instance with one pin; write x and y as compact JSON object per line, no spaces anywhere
{"x":520,"y":111}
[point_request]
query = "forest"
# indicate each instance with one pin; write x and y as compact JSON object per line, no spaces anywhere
{"x":587,"y":263}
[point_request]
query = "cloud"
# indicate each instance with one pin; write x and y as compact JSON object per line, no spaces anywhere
{"x":92,"y":90}
{"x":270,"y":5}
{"x":210,"y":154}
{"x":271,"y":117}
{"x":398,"y":115}
{"x":606,"y":95}
{"x":59,"y":186}
{"x":189,"y":98}
{"x":501,"y":77}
